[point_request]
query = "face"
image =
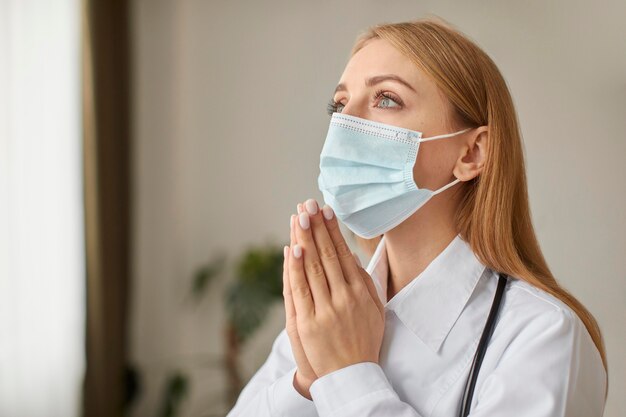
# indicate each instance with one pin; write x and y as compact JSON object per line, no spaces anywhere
{"x":381,"y":84}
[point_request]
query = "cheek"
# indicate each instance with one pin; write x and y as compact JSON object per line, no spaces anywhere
{"x":434,"y":165}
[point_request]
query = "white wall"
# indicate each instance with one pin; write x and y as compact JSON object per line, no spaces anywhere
{"x":230,"y":117}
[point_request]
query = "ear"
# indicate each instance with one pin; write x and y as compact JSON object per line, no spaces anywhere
{"x":472,"y":154}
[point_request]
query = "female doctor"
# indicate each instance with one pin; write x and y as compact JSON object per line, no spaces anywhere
{"x":457,"y":312}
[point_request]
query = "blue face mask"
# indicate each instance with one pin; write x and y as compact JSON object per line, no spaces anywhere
{"x":366,"y":173}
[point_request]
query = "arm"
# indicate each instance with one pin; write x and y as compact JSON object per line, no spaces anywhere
{"x":362,"y":390}
{"x":270,"y":392}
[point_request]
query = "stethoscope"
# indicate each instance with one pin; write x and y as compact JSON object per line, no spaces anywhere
{"x":482,"y":346}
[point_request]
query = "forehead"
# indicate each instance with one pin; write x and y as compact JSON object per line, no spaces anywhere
{"x":378,"y":57}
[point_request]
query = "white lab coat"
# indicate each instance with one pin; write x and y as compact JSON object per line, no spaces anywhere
{"x":540,"y":362}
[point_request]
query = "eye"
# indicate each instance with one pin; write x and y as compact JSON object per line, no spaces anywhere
{"x":333,"y":106}
{"x":387,"y":100}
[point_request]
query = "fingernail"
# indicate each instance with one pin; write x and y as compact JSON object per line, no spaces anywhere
{"x":297,"y":251}
{"x":311,"y":206}
{"x":328,"y":212}
{"x":285,"y":251}
{"x":299,"y":207}
{"x":291,"y":220}
{"x":304,"y":220}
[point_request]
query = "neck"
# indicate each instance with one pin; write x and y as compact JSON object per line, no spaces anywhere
{"x":412,"y":245}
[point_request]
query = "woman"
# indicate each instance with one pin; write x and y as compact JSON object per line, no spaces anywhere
{"x":399,"y":337}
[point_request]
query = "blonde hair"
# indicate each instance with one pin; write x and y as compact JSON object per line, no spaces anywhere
{"x":494,"y":214}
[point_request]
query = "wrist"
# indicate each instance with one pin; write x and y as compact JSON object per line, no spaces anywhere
{"x":302,"y":385}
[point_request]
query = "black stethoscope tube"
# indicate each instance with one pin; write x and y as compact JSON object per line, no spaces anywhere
{"x":482,"y":346}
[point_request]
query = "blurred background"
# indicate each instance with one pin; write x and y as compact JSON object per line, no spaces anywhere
{"x":152,"y":151}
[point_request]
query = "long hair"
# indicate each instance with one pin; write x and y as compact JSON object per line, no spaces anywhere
{"x":494,"y":214}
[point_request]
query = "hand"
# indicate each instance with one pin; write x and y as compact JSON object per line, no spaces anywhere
{"x":340,"y":319}
{"x":304,"y":376}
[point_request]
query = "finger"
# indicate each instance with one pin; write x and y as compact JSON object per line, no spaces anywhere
{"x":325,"y":247}
{"x":300,"y":290}
{"x":372,"y":290}
{"x":291,"y":323}
{"x":292,"y":242}
{"x":292,"y":231}
{"x":293,"y":224}
{"x":290,"y":311}
{"x":348,"y":264}
{"x":313,"y":267}
{"x":369,"y":282}
{"x":371,"y":287}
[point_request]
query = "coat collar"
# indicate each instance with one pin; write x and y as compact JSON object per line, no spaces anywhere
{"x":430,"y":304}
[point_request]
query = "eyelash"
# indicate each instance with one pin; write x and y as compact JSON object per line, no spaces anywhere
{"x":332,"y":104}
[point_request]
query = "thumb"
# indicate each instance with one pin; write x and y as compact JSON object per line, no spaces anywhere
{"x":369,"y":283}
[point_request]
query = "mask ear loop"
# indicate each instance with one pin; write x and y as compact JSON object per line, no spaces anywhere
{"x":447,"y":135}
{"x":445,"y":187}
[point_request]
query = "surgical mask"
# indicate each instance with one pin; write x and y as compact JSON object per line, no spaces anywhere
{"x":366,"y":173}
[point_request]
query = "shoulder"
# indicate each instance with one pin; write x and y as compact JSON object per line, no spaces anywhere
{"x":524,"y":296}
{"x":541,"y":349}
{"x":531,"y":317}
{"x":527,"y":308}
{"x":539,"y":326}
{"x":525,"y":305}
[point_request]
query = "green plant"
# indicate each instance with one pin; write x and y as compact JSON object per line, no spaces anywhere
{"x":256,"y":286}
{"x":176,"y":390}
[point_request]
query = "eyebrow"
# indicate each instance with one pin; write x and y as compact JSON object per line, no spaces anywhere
{"x":378,"y":79}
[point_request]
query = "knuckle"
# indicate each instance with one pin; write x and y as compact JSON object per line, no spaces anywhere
{"x":326,"y":316}
{"x":315,"y":268}
{"x":346,"y":299}
{"x":328,"y":252}
{"x":333,"y":226}
{"x":305,"y":235}
{"x":358,"y":285}
{"x":287,"y":292}
{"x":343,"y":251}
{"x":301,"y":291}
{"x":290,"y":327}
{"x":350,"y":303}
{"x":365,"y":294}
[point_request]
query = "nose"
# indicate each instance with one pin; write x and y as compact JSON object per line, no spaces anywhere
{"x":355,"y":107}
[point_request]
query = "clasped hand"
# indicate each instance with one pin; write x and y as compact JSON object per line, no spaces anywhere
{"x":334,"y":317}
